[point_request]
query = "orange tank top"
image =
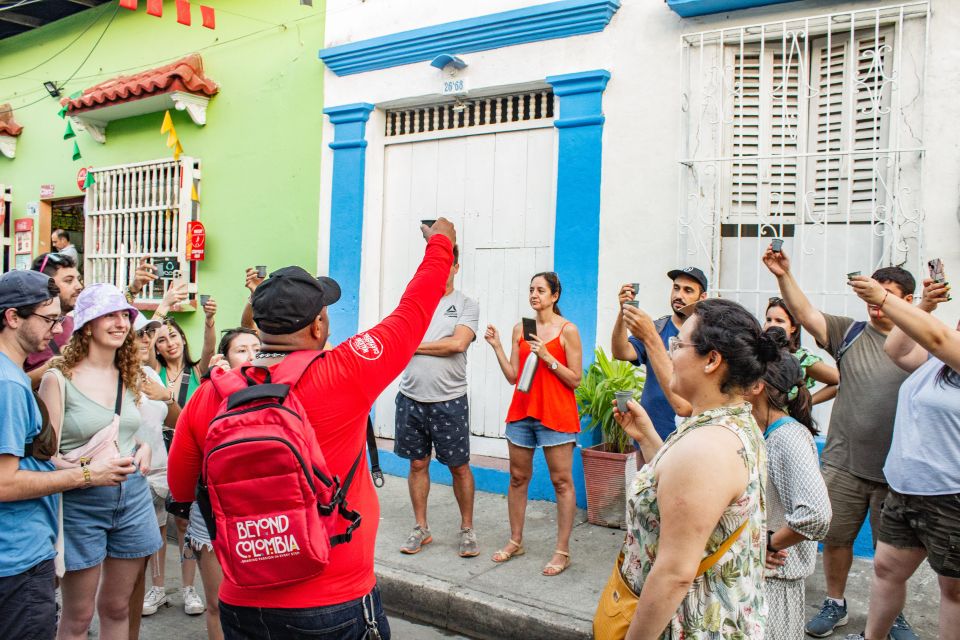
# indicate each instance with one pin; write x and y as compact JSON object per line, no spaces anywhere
{"x":549,"y":400}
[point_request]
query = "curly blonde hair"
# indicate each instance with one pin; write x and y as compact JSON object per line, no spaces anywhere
{"x":127,"y":360}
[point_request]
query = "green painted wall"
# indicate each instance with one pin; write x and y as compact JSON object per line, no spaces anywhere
{"x":260,"y":148}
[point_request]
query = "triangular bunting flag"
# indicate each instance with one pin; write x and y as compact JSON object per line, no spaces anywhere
{"x":89,"y":181}
{"x":193,"y":193}
{"x":63,"y":112}
{"x":167,"y":123}
{"x":129,"y":4}
{"x":155,"y":8}
{"x":69,"y":132}
{"x":76,"y":150}
{"x":183,"y":12}
{"x":209,"y":17}
{"x":177,"y":150}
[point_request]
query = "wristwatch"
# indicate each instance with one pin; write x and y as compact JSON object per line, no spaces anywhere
{"x":770,"y":546}
{"x":554,"y":365}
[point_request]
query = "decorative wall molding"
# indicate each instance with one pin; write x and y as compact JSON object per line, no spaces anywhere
{"x":493,"y":31}
{"x":8,"y":146}
{"x":691,"y":8}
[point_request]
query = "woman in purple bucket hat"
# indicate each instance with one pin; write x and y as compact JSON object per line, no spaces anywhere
{"x":91,"y":392}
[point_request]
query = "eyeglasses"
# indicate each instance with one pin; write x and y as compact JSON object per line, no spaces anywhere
{"x":53,"y":257}
{"x":675,"y":343}
{"x":51,"y":322}
{"x":775,"y":300}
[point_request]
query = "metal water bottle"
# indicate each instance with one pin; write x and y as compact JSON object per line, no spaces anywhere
{"x":529,"y":370}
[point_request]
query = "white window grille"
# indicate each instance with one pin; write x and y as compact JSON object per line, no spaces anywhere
{"x":806,"y":129}
{"x":475,"y":112}
{"x":137,"y":211}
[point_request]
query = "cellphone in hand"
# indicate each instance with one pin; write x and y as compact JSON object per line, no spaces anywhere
{"x":529,"y":328}
{"x":936,"y":270}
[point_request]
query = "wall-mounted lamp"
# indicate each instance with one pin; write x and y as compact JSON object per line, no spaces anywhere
{"x":52,"y":89}
{"x":446,"y":59}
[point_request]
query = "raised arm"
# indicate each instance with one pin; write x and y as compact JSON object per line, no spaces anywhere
{"x":917,"y":324}
{"x":620,"y":345}
{"x":209,"y":335}
{"x":642,"y":326}
{"x":800,"y":306}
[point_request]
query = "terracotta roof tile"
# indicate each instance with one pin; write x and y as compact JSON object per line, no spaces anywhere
{"x":185,"y":74}
{"x":8,"y":126}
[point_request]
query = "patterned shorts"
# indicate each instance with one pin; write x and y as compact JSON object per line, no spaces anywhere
{"x":444,"y":425}
{"x":928,"y":522}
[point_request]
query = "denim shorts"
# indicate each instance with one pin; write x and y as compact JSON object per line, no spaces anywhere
{"x":197,"y":535}
{"x":119,"y":522}
{"x":530,"y":433}
{"x":344,"y":621}
{"x":443,"y":425}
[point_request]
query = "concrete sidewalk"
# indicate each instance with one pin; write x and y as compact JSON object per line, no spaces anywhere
{"x":482,"y":599}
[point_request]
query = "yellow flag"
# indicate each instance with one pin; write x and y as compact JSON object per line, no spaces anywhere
{"x":167,"y":123}
{"x":177,"y":150}
{"x":193,"y":193}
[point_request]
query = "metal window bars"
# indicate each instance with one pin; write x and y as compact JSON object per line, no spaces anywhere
{"x":137,"y":211}
{"x":808,"y":129}
{"x":468,"y":113}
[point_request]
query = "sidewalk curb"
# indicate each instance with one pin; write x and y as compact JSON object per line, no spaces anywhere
{"x":464,"y":609}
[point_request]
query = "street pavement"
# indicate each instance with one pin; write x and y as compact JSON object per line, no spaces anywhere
{"x":481,"y":599}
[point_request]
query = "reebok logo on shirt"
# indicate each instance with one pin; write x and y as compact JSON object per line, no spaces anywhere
{"x":451,"y":311}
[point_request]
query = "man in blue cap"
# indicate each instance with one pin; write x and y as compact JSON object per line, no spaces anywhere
{"x":29,"y":319}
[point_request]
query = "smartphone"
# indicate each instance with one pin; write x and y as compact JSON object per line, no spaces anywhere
{"x":529,"y":328}
{"x":936,"y":270}
{"x":429,"y":223}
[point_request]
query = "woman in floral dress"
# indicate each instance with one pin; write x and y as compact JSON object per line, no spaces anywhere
{"x":701,"y":485}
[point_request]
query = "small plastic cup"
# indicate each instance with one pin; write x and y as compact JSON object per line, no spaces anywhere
{"x":633,"y":303}
{"x":622,"y":398}
{"x":852,"y":275}
{"x":261,"y":271}
{"x":204,"y":299}
{"x":636,"y":288}
{"x":428,"y":222}
{"x":776,"y":245}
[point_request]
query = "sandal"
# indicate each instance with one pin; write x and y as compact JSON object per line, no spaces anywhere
{"x":556,"y":569}
{"x":503,"y":555}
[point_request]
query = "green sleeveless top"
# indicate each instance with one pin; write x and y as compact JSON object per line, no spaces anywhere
{"x":191,"y":387}
{"x":83,"y":418}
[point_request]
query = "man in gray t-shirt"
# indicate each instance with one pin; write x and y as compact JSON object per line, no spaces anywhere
{"x":861,"y":424}
{"x":432,"y":413}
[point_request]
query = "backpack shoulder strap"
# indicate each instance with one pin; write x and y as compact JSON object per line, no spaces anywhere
{"x":660,"y":323}
{"x":226,"y":382}
{"x":292,"y":368}
{"x":853,"y":332}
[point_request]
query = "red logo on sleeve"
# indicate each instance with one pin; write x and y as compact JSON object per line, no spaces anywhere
{"x":366,"y":346}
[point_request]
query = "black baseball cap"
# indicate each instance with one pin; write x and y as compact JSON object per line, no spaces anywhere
{"x":290,"y":299}
{"x":22,"y":288}
{"x":690,"y":272}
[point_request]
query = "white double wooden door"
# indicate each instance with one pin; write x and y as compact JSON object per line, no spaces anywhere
{"x":499,"y":190}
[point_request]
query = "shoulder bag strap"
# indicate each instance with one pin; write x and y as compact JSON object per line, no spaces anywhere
{"x":118,"y":405}
{"x":184,"y":387}
{"x":374,"y":455}
{"x":853,"y":332}
{"x":707,"y":563}
{"x":54,"y":347}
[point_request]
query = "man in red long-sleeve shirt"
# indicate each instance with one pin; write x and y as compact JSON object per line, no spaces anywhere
{"x":337,"y":391}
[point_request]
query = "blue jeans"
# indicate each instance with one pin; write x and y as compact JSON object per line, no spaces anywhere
{"x":344,"y":621}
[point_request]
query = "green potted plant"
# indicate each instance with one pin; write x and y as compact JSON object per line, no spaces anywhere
{"x":608,"y":465}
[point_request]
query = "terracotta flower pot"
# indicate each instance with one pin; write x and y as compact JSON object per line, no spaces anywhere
{"x":606,"y":474}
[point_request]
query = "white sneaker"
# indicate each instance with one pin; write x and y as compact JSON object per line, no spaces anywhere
{"x":192,"y":604}
{"x":155,"y":598}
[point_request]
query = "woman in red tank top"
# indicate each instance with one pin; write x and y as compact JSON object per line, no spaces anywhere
{"x":546,"y":415}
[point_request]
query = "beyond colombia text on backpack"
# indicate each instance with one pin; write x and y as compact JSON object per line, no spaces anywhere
{"x":270,"y":502}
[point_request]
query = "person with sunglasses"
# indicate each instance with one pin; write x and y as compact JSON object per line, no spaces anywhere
{"x":696,"y":519}
{"x":814,"y":368}
{"x":63,"y":269}
{"x":93,"y":394}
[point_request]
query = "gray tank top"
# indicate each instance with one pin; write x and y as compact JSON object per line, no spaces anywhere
{"x":84,"y":417}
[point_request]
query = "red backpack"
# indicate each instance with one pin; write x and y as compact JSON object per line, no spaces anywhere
{"x":270,"y":502}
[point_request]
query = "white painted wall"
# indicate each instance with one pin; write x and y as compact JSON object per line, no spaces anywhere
{"x":640,"y":192}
